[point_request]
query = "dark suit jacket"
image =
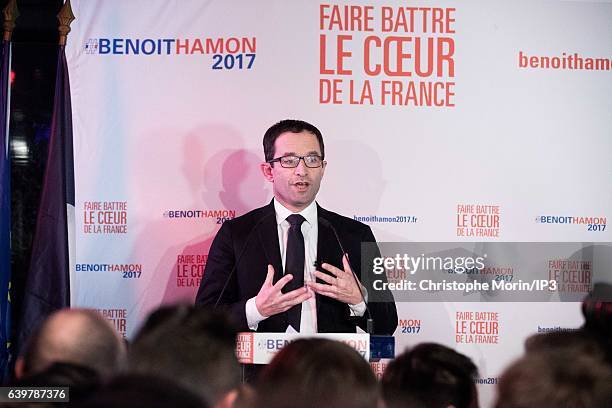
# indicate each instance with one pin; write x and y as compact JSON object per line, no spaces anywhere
{"x":258,"y":231}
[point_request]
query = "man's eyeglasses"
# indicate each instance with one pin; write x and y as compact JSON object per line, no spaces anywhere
{"x":312,"y":161}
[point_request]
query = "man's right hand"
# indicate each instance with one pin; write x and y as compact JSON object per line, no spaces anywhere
{"x":270,"y":300}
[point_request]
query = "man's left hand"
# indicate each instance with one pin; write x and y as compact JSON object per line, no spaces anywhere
{"x":340,"y":285}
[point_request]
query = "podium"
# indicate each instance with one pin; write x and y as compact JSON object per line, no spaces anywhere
{"x":260,"y":348}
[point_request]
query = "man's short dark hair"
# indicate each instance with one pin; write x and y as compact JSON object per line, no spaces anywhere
{"x":83,"y":381}
{"x":580,"y":341}
{"x":556,"y":379}
{"x":141,"y":391}
{"x":77,"y":336}
{"x":191,"y":346}
{"x":597,"y":311}
{"x":430,"y":375}
{"x":289,"y":125}
{"x":317,"y":373}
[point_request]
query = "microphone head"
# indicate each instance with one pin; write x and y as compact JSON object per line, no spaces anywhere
{"x":324,"y":222}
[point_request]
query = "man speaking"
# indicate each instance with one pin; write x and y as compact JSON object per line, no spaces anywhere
{"x":292,"y":265}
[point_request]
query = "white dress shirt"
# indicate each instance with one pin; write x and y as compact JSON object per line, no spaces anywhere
{"x":310,"y":231}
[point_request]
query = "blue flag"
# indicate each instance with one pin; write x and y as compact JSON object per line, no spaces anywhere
{"x":47,"y":287}
{"x":5,"y":212}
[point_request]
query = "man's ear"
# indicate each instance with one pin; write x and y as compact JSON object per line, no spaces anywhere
{"x":19,"y":368}
{"x":266,"y":170}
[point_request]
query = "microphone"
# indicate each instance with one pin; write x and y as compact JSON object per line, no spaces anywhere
{"x":369,"y":320}
{"x":246,"y":244}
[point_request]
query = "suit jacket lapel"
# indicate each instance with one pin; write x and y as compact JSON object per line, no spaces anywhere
{"x":327,"y":247}
{"x":268,"y":235}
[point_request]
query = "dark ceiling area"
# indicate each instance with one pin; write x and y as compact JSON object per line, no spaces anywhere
{"x":37,"y":22}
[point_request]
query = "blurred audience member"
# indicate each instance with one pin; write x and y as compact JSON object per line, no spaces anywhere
{"x":556,"y":379}
{"x":597,"y":311}
{"x":562,"y":341}
{"x":143,"y":391}
{"x":430,"y":376}
{"x":77,"y":336}
{"x":565,"y":368}
{"x":192,"y":347}
{"x":317,"y":373}
{"x":246,"y":397}
{"x":593,"y":338}
{"x":81,"y":381}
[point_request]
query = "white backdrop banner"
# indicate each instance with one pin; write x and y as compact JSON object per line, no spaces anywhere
{"x":444,"y":121}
